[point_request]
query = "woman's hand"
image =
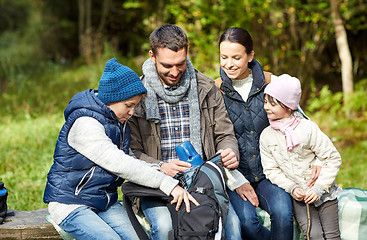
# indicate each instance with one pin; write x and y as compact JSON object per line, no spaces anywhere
{"x":179,"y":194}
{"x":314,"y":176}
{"x":229,"y":158}
{"x":247,"y":192}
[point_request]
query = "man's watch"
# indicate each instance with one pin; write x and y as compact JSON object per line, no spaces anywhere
{"x":160,"y":164}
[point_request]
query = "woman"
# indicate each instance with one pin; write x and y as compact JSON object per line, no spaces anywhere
{"x":242,"y":82}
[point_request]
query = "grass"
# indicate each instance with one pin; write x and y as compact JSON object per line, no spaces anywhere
{"x":26,"y":151}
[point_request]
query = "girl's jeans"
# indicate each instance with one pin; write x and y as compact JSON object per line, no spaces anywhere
{"x":157,"y":213}
{"x":86,"y":223}
{"x":273,"y":200}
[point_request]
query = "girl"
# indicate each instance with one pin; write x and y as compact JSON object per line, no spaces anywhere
{"x":91,"y":160}
{"x":289,"y":147}
{"x":242,"y":84}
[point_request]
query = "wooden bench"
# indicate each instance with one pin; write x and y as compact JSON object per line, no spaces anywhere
{"x":28,"y":225}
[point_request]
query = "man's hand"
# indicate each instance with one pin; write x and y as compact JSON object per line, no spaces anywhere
{"x":179,"y":194}
{"x":314,"y":175}
{"x":311,"y":197}
{"x":229,"y":158}
{"x":174,"y":167}
{"x":299,"y":194}
{"x":247,"y":192}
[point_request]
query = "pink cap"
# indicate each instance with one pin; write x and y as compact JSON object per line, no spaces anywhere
{"x":286,"y":89}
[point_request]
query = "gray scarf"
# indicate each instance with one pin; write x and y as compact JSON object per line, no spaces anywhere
{"x":187,"y":84}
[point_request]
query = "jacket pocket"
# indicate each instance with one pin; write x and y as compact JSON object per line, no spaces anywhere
{"x":85,"y":179}
{"x":280,"y":157}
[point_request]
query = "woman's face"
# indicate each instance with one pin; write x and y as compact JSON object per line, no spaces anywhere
{"x":234,"y":59}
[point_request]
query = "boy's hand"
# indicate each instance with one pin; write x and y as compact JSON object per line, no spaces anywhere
{"x":179,"y":194}
{"x":311,"y":197}
{"x":247,"y":192}
{"x":174,"y":167}
{"x":299,"y":194}
{"x":229,"y":158}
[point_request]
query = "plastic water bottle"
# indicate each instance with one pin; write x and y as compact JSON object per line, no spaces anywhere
{"x":186,"y":152}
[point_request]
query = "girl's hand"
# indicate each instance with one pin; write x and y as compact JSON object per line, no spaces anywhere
{"x":299,"y":194}
{"x":247,"y":192}
{"x":179,"y":194}
{"x":311,"y":197}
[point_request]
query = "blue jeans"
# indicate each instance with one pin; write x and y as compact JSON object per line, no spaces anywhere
{"x":159,"y":217}
{"x":273,"y":200}
{"x":86,"y":223}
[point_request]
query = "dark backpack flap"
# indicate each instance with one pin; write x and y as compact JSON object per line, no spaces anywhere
{"x":131,"y":189}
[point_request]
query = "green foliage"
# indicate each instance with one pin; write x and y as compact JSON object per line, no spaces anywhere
{"x":357,"y":101}
{"x":325,"y":102}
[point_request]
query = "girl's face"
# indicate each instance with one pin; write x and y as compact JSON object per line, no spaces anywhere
{"x":125,"y":108}
{"x":274,"y":110}
{"x":234,"y":59}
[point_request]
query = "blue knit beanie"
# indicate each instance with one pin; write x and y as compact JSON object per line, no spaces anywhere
{"x":118,"y":83}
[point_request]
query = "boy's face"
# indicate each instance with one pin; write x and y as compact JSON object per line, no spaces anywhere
{"x":170,"y":65}
{"x":125,"y":108}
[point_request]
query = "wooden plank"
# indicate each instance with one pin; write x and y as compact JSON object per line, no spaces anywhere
{"x":28,"y":225}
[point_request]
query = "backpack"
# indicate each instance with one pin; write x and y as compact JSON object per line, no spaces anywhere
{"x":206,"y":221}
{"x":3,"y":205}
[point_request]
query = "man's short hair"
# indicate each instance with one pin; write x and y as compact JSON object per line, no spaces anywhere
{"x":168,"y":36}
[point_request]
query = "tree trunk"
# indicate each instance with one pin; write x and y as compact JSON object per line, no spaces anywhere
{"x":81,"y":24}
{"x":343,"y":50}
{"x":160,"y":14}
{"x":102,"y":23}
{"x":85,"y":30}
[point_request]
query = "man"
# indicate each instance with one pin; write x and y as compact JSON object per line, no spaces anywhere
{"x":181,"y":104}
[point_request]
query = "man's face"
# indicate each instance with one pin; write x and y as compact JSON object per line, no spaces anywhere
{"x":170,"y":65}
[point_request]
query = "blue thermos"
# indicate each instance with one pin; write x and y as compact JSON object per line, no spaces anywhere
{"x":186,"y":152}
{"x":2,"y":189}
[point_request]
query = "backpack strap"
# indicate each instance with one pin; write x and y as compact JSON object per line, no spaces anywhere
{"x":267,"y":77}
{"x":219,"y":81}
{"x":134,"y":221}
{"x":131,"y":190}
